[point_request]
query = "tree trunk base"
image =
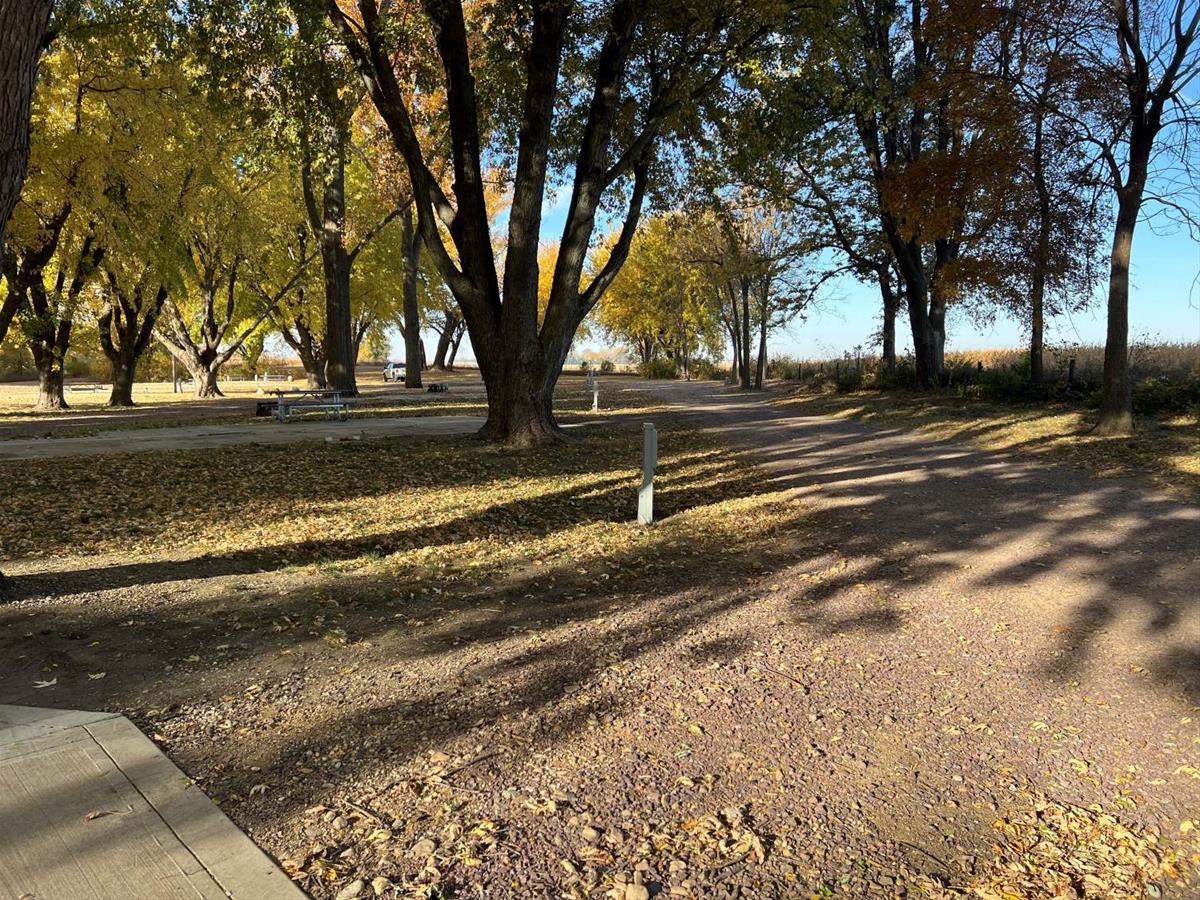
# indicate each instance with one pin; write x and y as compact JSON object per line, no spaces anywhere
{"x":5,"y":587}
{"x":1114,"y":424}
{"x":533,"y":429}
{"x":51,"y":401}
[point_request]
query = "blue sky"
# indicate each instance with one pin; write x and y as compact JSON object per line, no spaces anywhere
{"x":1164,"y":305}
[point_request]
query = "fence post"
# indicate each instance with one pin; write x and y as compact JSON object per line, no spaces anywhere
{"x":649,"y":462}
{"x":596,"y":395}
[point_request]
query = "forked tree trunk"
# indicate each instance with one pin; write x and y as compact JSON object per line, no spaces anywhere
{"x":455,"y":343}
{"x":443,"y":347}
{"x":124,"y":338}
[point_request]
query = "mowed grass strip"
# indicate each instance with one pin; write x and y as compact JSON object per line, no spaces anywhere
{"x":431,"y":506}
{"x":1165,"y":449}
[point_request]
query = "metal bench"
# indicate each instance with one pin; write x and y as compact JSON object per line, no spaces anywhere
{"x":334,"y":403}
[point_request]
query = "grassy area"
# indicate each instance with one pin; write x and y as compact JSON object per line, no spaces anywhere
{"x":465,"y":506}
{"x":1166,"y":448}
{"x":158,"y":407}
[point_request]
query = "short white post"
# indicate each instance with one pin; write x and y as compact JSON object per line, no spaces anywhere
{"x":649,"y":463}
{"x":596,"y":395}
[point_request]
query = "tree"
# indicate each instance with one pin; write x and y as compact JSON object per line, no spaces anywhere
{"x":230,"y":260}
{"x":1133,"y":82}
{"x":23,"y":25}
{"x":126,"y":324}
{"x":921,"y":89}
{"x":660,"y":305}
{"x":634,"y":71}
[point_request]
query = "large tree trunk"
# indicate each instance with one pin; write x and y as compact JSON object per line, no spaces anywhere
{"x":339,"y":331}
{"x":122,"y":382}
{"x":50,"y":385}
{"x":328,"y":222}
{"x":412,"y":315}
{"x":23,"y":26}
{"x":206,"y":384}
{"x":49,"y":351}
{"x":520,"y":404}
{"x":1116,"y":398}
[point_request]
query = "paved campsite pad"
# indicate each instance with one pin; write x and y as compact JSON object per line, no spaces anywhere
{"x":90,"y":808}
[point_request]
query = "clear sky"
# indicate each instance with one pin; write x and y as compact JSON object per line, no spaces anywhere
{"x":1164,"y":306}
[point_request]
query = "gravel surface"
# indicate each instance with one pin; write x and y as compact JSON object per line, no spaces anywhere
{"x":931,"y":646}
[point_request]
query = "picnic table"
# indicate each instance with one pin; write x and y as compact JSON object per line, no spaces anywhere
{"x":335,"y":403}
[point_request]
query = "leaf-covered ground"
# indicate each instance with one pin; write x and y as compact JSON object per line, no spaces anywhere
{"x":1165,"y":449}
{"x":435,"y":669}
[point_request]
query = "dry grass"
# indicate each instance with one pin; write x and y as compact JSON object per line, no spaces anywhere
{"x":1166,"y":449}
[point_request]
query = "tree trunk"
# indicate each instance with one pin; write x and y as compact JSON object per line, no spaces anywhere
{"x":49,"y":351}
{"x":206,"y":384}
{"x":443,"y":347}
{"x":761,"y":369}
{"x":520,"y":404}
{"x":122,"y":382}
{"x":745,"y":335}
{"x":50,"y":386}
{"x":937,"y":337}
{"x":454,"y":345}
{"x":339,"y":334}
{"x":1116,"y":398}
{"x":412,"y":315}
{"x":314,"y":375}
{"x":328,"y":222}
{"x":23,"y":26}
{"x":889,"y":319}
{"x":1041,"y":262}
{"x":1037,"y":327}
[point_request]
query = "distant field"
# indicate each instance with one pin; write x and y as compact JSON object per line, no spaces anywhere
{"x":1162,"y":359}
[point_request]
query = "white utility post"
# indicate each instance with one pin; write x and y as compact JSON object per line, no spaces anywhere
{"x":595,"y":395}
{"x":649,"y":463}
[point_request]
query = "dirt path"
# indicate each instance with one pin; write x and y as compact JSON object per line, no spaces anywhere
{"x":935,"y":651}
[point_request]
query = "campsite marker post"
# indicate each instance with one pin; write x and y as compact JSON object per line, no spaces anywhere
{"x":649,"y":462}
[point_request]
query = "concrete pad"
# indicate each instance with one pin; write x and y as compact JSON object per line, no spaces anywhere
{"x":91,"y":808}
{"x":193,"y":437}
